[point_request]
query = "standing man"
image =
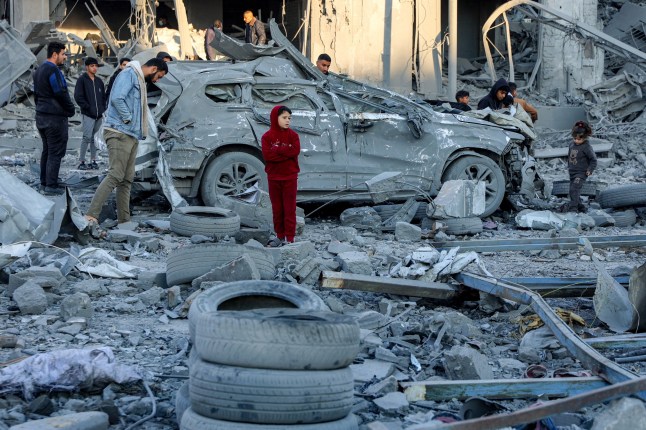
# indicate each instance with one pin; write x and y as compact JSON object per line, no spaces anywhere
{"x":254,"y":30}
{"x":210,"y":51}
{"x":494,"y":100}
{"x":53,"y":107}
{"x":531,"y":110}
{"x":89,"y":94}
{"x":323,"y":63}
{"x":122,"y":65}
{"x":126,"y":123}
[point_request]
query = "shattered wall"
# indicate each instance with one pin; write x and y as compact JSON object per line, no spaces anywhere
{"x":370,"y":40}
{"x":567,"y":63}
{"x":24,"y":11}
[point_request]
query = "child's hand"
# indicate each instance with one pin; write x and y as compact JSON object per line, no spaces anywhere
{"x":588,"y":173}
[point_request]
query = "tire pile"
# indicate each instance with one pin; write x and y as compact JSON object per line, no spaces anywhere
{"x":621,"y":200}
{"x":258,"y":366}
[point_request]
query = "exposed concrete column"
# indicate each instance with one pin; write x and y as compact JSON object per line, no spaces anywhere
{"x":453,"y":48}
{"x":24,"y":11}
{"x":428,"y":19}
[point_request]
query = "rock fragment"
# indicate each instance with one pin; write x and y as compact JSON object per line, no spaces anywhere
{"x":462,"y":362}
{"x":30,"y":298}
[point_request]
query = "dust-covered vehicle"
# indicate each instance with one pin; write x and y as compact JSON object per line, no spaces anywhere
{"x":214,"y":113}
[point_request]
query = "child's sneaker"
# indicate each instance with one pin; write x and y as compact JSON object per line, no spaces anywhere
{"x":83,"y":166}
{"x":94,"y":166}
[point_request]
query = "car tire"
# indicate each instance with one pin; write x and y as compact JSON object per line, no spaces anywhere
{"x":249,"y":295}
{"x":481,"y":168}
{"x":182,"y":401}
{"x":267,"y":396}
{"x":458,"y":226}
{"x":623,"y":196}
{"x":229,"y":174}
{"x":208,"y":221}
{"x":193,"y":421}
{"x":281,"y":339}
{"x":190,"y":262}
{"x":626,"y":218}
{"x":562,"y":188}
{"x":387,"y":211}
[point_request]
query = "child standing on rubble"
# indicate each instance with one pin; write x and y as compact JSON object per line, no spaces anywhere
{"x":280,"y":149}
{"x":581,"y":163}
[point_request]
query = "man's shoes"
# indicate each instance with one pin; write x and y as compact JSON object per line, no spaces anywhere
{"x":53,"y":191}
{"x":94,"y":166}
{"x":83,"y":166}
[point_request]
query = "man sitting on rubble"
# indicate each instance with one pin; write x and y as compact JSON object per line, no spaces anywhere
{"x":531,"y":110}
{"x":89,"y":94}
{"x":122,"y":65}
{"x":254,"y":31}
{"x":494,"y":100}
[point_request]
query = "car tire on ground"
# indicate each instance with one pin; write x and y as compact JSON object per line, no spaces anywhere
{"x":231,"y":173}
{"x":182,"y":401}
{"x":249,"y":295}
{"x":626,"y":218}
{"x":193,"y":421}
{"x":267,"y":396}
{"x":190,"y":262}
{"x":562,"y":188}
{"x":283,"y":339}
{"x":457,"y":226}
{"x":623,"y":196}
{"x":208,"y":221}
{"x":483,"y":169}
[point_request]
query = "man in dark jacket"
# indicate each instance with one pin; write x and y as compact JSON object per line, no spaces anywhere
{"x":90,"y":96}
{"x":122,"y":65}
{"x":494,"y":100}
{"x":254,"y":31}
{"x":53,"y":107}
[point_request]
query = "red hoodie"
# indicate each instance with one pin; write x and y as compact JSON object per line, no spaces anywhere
{"x":280,"y":149}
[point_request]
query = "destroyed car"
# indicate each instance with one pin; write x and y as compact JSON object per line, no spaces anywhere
{"x":214,"y":114}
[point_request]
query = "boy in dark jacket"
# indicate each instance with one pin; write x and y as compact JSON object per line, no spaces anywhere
{"x":53,"y":107}
{"x":581,"y":163}
{"x":494,"y":100}
{"x":280,"y":149}
{"x":90,"y":96}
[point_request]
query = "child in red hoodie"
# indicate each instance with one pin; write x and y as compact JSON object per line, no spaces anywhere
{"x":280,"y":148}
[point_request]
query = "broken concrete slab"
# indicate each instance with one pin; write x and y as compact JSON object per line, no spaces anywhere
{"x":78,"y":421}
{"x":77,"y":305}
{"x":336,"y":247}
{"x":405,"y":232}
{"x":385,"y":386}
{"x":345,"y":234}
{"x":355,"y":262}
{"x":626,"y":413}
{"x":384,"y":185}
{"x":241,"y":268}
{"x":363,"y":218}
{"x":30,"y":298}
{"x":612,"y":303}
{"x":463,"y":362}
{"x":459,"y":199}
{"x":151,"y":297}
{"x":370,"y":369}
{"x":392,"y":403}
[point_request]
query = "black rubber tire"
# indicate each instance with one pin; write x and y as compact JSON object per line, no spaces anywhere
{"x":386,"y":211}
{"x":562,"y":188}
{"x":267,"y":396}
{"x":231,"y":173}
{"x":190,"y":262}
{"x":283,"y":339}
{"x":623,"y":196}
{"x":182,"y":401}
{"x":194,"y":421}
{"x":626,"y":218}
{"x":484,"y":169}
{"x":209,"y":221}
{"x":249,"y":295}
{"x":459,"y":226}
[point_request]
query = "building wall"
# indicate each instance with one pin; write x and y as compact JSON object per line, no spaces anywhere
{"x":567,"y":64}
{"x":24,"y":11}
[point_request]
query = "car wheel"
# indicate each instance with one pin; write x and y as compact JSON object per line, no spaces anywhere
{"x":282,"y":339}
{"x":268,"y":396}
{"x":230,"y":174}
{"x":482,"y":169}
{"x":460,"y":226}
{"x":209,"y":221}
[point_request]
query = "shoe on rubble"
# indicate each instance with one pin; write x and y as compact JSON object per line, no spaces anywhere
{"x":94,"y":166}
{"x":83,"y":166}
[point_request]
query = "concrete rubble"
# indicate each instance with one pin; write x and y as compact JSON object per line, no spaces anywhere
{"x":62,"y":291}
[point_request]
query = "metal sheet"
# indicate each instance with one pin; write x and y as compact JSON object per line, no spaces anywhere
{"x":17,"y":56}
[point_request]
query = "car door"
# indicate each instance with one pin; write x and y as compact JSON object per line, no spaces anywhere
{"x":323,"y":159}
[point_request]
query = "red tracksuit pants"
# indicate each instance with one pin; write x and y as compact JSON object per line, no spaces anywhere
{"x":282,"y":194}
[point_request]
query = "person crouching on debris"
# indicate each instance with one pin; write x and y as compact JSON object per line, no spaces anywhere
{"x":581,"y":163}
{"x":494,"y":100}
{"x":89,"y":94}
{"x":280,"y":149}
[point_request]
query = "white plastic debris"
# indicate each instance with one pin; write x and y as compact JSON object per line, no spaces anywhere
{"x":98,"y":262}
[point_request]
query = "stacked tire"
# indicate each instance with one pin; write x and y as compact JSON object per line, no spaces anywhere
{"x":269,"y":368}
{"x":620,"y":202}
{"x":204,"y":220}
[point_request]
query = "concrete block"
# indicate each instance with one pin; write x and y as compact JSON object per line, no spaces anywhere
{"x":405,"y":232}
{"x":335,"y":247}
{"x":151,"y":297}
{"x":77,"y":305}
{"x":463,"y":362}
{"x":345,"y":234}
{"x":369,"y":369}
{"x":174,"y":295}
{"x":426,"y":255}
{"x":385,"y":386}
{"x":79,"y":421}
{"x":626,"y":413}
{"x":30,"y":298}
{"x":92,"y":287}
{"x":297,"y":250}
{"x":48,"y":277}
{"x":384,"y":185}
{"x":393,"y":403}
{"x":459,"y":199}
{"x":257,"y":214}
{"x":129,"y":236}
{"x":355,"y":262}
{"x":363,"y":217}
{"x":242,"y":268}
{"x":246,"y":233}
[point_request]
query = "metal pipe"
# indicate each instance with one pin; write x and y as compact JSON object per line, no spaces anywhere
{"x":453,"y":48}
{"x":509,"y":53}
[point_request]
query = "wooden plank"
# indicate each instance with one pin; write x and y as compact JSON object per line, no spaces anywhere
{"x":500,"y":389}
{"x":376,"y":284}
{"x":562,"y":152}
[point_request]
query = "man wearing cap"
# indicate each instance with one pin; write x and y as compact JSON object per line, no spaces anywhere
{"x":53,"y":107}
{"x":89,"y":94}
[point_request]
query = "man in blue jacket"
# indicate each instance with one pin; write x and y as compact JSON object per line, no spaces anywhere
{"x":53,"y":107}
{"x":89,"y":94}
{"x":126,"y":123}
